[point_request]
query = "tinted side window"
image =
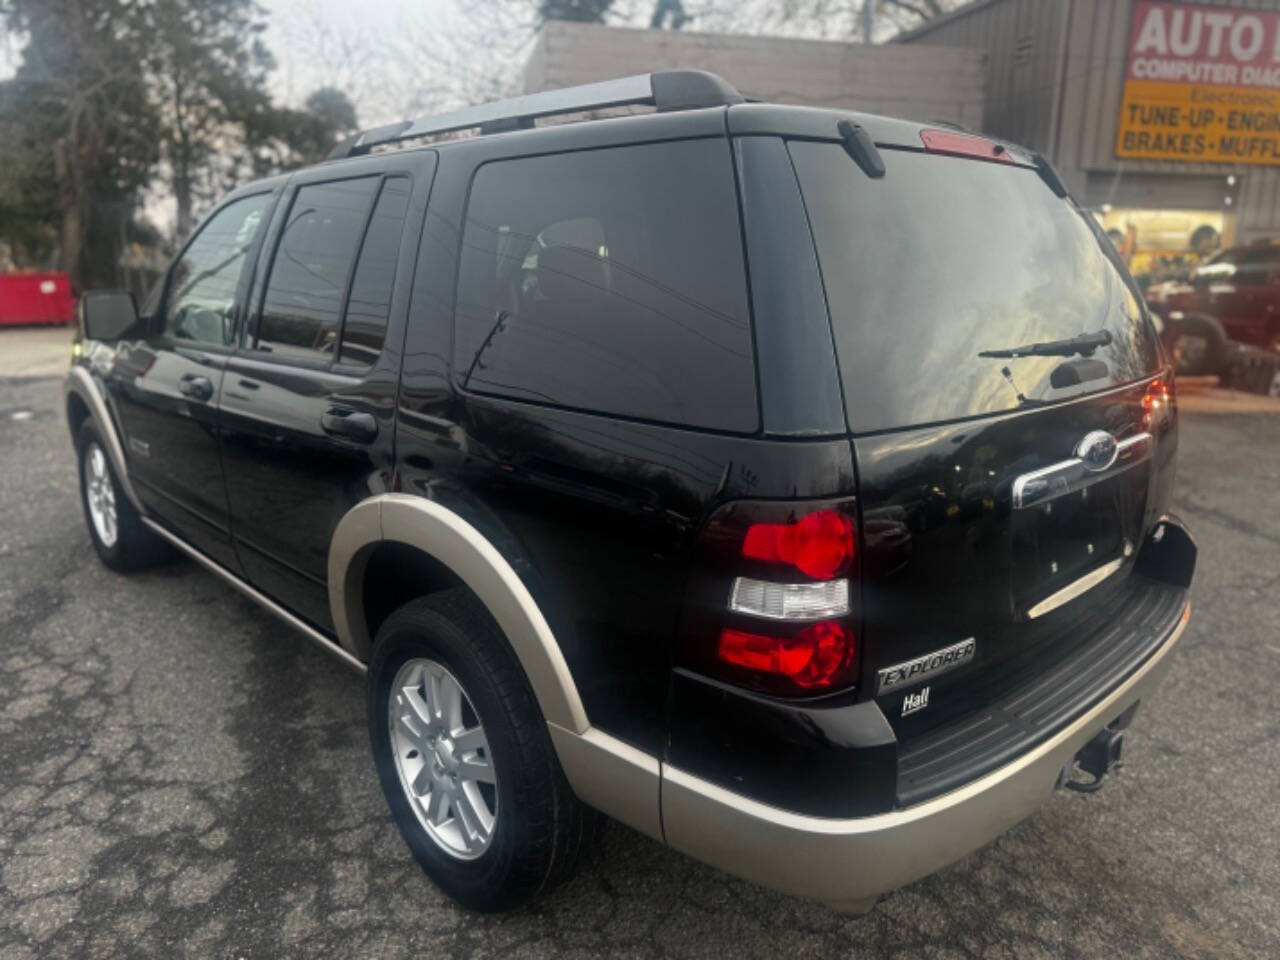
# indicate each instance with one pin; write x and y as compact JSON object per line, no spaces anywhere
{"x":611,"y":281}
{"x":303,"y":303}
{"x":202,"y":285}
{"x":370,"y":300}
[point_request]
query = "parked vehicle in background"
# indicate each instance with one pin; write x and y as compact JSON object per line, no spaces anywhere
{"x":789,"y":484}
{"x":1234,"y":297}
{"x":35,"y":298}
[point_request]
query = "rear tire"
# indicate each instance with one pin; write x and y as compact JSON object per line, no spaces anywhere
{"x":537,"y":826}
{"x":122,"y":541}
{"x":1197,"y":346}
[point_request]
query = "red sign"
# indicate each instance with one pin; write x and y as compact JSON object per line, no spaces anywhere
{"x":1202,"y":85}
{"x":1220,"y":46}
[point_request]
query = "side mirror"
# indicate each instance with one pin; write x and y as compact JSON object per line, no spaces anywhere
{"x":108,"y":315}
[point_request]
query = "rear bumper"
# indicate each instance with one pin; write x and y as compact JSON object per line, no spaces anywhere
{"x":850,"y":862}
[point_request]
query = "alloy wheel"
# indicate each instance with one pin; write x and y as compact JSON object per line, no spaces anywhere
{"x":100,"y":493}
{"x":442,"y":758}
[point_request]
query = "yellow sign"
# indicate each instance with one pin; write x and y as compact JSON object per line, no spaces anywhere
{"x":1181,"y":121}
{"x":1202,"y":85}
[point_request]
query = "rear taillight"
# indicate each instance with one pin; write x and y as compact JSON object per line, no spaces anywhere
{"x":819,"y":544}
{"x":1157,"y":401}
{"x":771,"y":606}
{"x":818,"y":656}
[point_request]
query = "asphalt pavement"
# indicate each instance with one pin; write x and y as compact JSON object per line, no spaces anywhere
{"x":181,"y":775}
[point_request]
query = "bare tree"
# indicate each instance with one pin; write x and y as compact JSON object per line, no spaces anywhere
{"x":321,"y":52}
{"x":457,"y":52}
{"x":466,"y":53}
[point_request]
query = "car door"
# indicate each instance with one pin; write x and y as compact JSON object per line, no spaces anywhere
{"x":1248,"y":313}
{"x":166,"y":386}
{"x":307,"y":408}
{"x":605,"y":382}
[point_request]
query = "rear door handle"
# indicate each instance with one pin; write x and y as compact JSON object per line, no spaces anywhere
{"x":342,"y":422}
{"x":197,"y":388}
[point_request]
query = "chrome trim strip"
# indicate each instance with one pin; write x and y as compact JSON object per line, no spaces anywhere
{"x":850,"y":862}
{"x":81,"y":384}
{"x":1075,"y":588}
{"x":439,"y":532}
{"x":1070,"y":475}
{"x":259,"y":598}
{"x":612,"y":776}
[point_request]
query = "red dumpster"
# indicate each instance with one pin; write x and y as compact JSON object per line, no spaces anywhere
{"x":27,"y":298}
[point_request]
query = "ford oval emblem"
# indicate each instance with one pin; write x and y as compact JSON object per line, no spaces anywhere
{"x":1097,"y":450}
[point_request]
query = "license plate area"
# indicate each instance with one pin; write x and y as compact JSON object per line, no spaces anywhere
{"x":1061,"y":540}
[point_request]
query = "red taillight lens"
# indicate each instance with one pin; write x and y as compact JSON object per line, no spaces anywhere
{"x":819,"y":544}
{"x":1155,"y":400}
{"x":820,"y":655}
{"x":771,"y":604}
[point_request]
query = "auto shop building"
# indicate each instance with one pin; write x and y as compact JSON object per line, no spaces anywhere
{"x":1162,"y":117}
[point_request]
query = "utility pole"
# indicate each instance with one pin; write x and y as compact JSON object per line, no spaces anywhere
{"x":868,"y":19}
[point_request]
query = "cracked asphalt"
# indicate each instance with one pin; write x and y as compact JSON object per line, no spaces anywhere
{"x":181,"y":775}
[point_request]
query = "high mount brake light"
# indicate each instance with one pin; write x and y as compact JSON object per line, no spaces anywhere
{"x":819,"y":544}
{"x":820,"y":655}
{"x":964,"y":145}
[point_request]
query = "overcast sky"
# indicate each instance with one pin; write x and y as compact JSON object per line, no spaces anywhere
{"x":400,"y":58}
{"x":306,"y":37}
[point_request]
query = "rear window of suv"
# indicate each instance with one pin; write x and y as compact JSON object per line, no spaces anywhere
{"x":610,"y":281}
{"x":946,"y":257}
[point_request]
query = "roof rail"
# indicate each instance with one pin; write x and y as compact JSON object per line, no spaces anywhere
{"x":668,"y":90}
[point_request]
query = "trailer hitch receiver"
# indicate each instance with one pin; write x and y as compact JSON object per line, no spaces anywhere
{"x":1097,"y":758}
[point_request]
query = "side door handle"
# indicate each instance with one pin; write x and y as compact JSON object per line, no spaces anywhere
{"x":195,"y":387}
{"x":342,"y":422}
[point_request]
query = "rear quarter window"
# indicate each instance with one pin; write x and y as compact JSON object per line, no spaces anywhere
{"x":945,"y":257}
{"x":609,"y":281}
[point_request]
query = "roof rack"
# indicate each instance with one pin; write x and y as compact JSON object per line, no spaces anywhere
{"x":668,"y":90}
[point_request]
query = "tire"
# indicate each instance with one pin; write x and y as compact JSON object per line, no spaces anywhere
{"x":1205,"y":240}
{"x":1205,"y":350}
{"x":538,"y":826}
{"x":117,"y":532}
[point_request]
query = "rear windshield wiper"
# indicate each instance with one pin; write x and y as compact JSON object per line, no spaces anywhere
{"x":1084,"y":344}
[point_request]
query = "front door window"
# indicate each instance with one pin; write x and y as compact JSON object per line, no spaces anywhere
{"x":202,"y":287}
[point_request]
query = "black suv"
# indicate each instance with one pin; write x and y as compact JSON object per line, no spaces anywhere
{"x":788,"y":484}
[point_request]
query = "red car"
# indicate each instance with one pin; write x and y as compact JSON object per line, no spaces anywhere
{"x":1234,"y":296}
